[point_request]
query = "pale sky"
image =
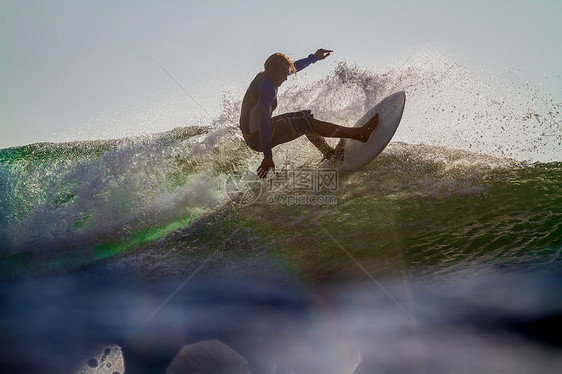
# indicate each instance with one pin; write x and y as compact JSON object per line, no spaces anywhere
{"x":74,"y":70}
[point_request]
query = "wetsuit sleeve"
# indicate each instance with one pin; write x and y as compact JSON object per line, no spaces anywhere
{"x":266,"y":95}
{"x":304,"y":62}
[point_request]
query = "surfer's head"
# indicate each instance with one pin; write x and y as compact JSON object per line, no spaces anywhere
{"x":277,"y":67}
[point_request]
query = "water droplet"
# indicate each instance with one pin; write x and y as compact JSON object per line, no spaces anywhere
{"x":109,"y":364}
{"x":93,"y":363}
{"x":107,"y":351}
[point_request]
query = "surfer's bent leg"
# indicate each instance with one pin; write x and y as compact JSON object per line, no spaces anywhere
{"x":320,"y":142}
{"x":289,"y":126}
{"x":331,"y":130}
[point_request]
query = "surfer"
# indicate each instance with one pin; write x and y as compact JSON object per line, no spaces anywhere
{"x":262,"y":132}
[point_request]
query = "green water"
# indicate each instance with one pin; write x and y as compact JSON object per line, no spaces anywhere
{"x":420,"y":221}
{"x":415,"y":208}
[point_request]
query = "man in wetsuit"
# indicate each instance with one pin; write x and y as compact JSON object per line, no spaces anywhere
{"x":263,"y":132}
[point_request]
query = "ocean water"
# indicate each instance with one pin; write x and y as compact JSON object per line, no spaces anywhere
{"x":442,"y":255}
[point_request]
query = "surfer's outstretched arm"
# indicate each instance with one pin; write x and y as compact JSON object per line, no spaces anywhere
{"x":311,"y":59}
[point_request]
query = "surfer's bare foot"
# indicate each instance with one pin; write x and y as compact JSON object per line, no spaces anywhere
{"x":368,"y":128}
{"x":334,"y":153}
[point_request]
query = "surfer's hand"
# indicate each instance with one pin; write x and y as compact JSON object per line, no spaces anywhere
{"x":322,"y":53}
{"x":266,"y":164}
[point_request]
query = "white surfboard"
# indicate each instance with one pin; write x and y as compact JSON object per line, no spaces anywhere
{"x":357,"y":154}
